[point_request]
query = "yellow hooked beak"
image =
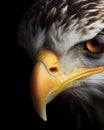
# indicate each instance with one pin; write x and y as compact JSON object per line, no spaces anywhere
{"x":47,"y":81}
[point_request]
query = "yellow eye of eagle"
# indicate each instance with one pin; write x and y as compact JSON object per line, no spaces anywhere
{"x":95,"y":45}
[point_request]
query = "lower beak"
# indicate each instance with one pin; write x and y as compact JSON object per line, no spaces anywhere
{"x":47,"y":81}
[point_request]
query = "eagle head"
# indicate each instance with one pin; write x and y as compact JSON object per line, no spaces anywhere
{"x":65,"y":40}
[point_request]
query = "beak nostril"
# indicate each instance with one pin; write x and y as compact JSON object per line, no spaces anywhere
{"x":53,"y":69}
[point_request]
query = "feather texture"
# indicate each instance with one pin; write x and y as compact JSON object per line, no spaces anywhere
{"x":60,"y":20}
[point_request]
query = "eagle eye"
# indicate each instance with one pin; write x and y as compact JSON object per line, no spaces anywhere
{"x":95,"y":45}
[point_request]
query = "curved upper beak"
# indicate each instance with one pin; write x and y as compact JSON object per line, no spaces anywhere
{"x":47,"y":81}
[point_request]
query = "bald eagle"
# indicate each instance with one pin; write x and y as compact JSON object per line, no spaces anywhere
{"x":65,"y":41}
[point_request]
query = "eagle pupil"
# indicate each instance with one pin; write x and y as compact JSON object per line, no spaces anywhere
{"x":95,"y":42}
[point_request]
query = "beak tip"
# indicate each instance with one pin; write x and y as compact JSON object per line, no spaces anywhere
{"x":43,"y":115}
{"x":44,"y":118}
